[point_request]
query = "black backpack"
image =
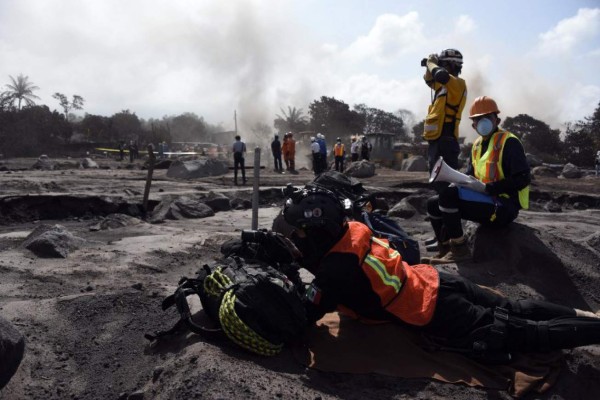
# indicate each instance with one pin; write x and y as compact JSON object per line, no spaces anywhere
{"x":386,"y":228}
{"x":253,"y":304}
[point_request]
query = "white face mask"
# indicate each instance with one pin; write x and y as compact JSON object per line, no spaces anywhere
{"x":484,"y":126}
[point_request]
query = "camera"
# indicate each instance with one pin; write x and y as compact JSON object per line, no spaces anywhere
{"x":424,"y":62}
{"x":252,"y":236}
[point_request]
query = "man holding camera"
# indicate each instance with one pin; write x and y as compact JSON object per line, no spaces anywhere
{"x":448,"y":100}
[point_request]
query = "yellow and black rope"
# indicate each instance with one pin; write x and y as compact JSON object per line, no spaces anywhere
{"x":234,"y":327}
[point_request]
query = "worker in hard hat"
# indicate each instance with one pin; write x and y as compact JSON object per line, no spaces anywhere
{"x":449,"y":95}
{"x":498,"y":160}
{"x":339,"y":153}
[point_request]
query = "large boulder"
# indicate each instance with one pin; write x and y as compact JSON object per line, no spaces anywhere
{"x":361,"y":169}
{"x":570,"y":171}
{"x":415,"y":163}
{"x":52,"y":241}
{"x":12,"y":347}
{"x":197,"y":168}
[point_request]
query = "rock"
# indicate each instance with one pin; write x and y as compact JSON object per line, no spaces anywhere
{"x":180,"y":208}
{"x":197,"y":168}
{"x":114,"y":221}
{"x":418,"y":201}
{"x":578,"y":205}
{"x":43,"y":162}
{"x":570,"y":171}
{"x":533,"y":160}
{"x":12,"y":347}
{"x":217,"y":201}
{"x":544,"y":171}
{"x":361,"y":169}
{"x":137,"y":286}
{"x":402,"y":210}
{"x":240,"y":204}
{"x":48,"y":241}
{"x":89,"y":163}
{"x":415,"y":163}
{"x":552,"y":206}
{"x":160,"y":164}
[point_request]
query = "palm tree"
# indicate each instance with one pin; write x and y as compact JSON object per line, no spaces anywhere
{"x":21,"y":90}
{"x":293,"y":120}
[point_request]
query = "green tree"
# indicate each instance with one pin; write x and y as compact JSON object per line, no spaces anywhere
{"x":96,"y":128}
{"x":187,"y":127}
{"x":378,"y":121}
{"x":334,"y":117}
{"x":537,"y":137}
{"x":579,"y":145}
{"x":291,"y":121}
{"x":75,"y":104}
{"x":125,"y":125}
{"x":19,"y":91}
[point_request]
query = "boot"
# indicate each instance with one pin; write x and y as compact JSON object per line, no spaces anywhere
{"x":459,"y":251}
{"x":443,"y":249}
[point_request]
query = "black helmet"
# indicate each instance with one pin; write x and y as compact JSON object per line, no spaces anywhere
{"x":452,"y":56}
{"x":315,"y":209}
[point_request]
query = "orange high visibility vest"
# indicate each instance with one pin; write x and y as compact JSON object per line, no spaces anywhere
{"x":338,"y":149}
{"x":408,"y":292}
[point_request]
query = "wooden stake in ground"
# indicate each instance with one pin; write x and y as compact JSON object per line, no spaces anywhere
{"x":151,"y":159}
{"x":255,"y":181}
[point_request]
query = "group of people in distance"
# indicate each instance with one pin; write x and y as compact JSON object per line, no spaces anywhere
{"x":364,"y":277}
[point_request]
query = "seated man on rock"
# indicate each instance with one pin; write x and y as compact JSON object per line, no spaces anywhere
{"x":362,"y":276}
{"x":498,"y":160}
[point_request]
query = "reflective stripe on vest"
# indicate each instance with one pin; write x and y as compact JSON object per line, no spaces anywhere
{"x":487,"y":167}
{"x":409,"y":293}
{"x":389,"y":280}
{"x":338,"y":150}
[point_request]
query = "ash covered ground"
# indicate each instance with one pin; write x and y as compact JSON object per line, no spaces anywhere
{"x":84,"y":317}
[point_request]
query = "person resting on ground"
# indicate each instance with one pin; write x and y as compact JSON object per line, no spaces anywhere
{"x":362,"y":276}
{"x":498,"y":160}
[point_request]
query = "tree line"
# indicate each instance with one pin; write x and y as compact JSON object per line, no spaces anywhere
{"x":28,"y":129}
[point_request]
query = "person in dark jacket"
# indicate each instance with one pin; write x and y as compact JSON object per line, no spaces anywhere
{"x":494,"y":198}
{"x":276,"y":151}
{"x":364,"y":277}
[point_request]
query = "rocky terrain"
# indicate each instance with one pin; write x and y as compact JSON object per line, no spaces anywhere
{"x":84,"y":316}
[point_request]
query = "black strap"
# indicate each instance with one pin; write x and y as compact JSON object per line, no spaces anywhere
{"x":179,"y":299}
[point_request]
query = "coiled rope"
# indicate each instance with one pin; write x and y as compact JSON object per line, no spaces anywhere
{"x":234,"y":327}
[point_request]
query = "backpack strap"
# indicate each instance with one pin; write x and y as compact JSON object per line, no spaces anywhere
{"x":179,"y":299}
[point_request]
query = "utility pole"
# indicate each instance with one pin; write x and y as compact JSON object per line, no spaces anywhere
{"x":235,"y":120}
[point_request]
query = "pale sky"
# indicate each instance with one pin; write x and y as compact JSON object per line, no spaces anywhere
{"x":211,"y":57}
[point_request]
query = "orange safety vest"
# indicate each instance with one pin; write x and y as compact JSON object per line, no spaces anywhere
{"x":487,"y":167}
{"x":408,"y":292}
{"x":338,"y":149}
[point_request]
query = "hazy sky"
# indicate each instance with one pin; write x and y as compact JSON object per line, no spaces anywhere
{"x":211,"y":57}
